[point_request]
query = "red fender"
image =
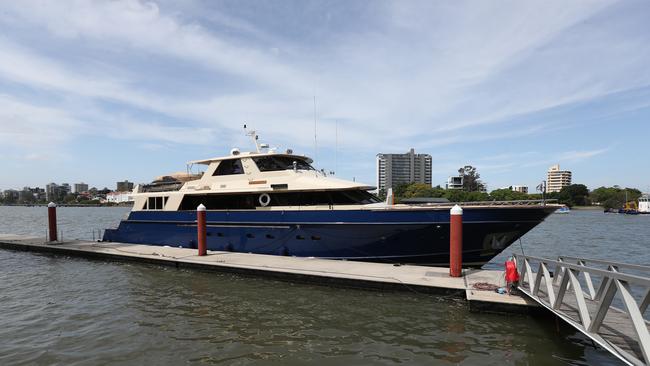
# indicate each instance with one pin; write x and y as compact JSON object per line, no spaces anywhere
{"x":511,"y":271}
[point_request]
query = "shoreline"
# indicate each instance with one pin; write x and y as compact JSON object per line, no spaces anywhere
{"x":587,"y":208}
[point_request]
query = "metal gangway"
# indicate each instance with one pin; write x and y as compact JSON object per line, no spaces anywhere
{"x":605,"y":300}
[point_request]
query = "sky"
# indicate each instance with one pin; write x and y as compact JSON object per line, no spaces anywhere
{"x":102,"y":91}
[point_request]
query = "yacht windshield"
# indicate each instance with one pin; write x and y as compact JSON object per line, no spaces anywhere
{"x":275,"y":163}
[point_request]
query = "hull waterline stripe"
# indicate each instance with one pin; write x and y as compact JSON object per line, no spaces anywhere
{"x":252,"y":223}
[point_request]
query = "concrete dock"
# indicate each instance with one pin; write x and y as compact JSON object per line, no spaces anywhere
{"x":419,"y":279}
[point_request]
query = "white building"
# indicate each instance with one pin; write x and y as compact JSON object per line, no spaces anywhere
{"x":522,"y":189}
{"x":119,"y":197}
{"x":454,"y":182}
{"x":557,"y":179}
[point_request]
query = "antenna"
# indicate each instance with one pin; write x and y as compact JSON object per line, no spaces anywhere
{"x":253,"y":136}
{"x":315,"y":140}
{"x":336,"y":148}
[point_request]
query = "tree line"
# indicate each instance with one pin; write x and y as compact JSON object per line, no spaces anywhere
{"x":473,"y":190}
{"x":573,"y":195}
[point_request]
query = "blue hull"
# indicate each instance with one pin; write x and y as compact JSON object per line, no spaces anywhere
{"x":400,"y":236}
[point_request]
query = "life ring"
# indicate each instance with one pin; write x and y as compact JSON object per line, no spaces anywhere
{"x":264,"y":199}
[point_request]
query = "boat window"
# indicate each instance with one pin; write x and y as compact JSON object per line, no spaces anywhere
{"x":229,"y":167}
{"x":276,"y":163}
{"x":219,"y":201}
{"x":351,"y":197}
{"x":156,"y":203}
{"x":247,"y":201}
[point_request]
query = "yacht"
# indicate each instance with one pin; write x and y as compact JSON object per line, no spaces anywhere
{"x":270,"y":202}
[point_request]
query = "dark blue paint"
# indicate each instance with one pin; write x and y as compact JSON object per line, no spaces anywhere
{"x":404,"y":236}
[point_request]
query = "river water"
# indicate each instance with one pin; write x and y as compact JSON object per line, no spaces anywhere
{"x":72,"y":311}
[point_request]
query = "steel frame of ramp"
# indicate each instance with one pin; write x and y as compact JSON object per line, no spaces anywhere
{"x":622,"y":332}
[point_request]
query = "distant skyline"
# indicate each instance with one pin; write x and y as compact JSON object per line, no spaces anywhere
{"x":103,"y":91}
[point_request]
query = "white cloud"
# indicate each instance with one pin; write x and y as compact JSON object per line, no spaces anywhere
{"x":25,"y":125}
{"x":141,"y":26}
{"x":424,"y":74}
{"x":580,"y":155}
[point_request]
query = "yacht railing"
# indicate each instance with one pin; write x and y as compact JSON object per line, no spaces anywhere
{"x":490,"y":203}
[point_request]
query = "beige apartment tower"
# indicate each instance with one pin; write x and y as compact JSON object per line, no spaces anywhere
{"x":557,"y":179}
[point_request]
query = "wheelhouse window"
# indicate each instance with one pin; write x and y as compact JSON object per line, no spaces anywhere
{"x":229,"y":167}
{"x":155,"y":203}
{"x":277,"y":163}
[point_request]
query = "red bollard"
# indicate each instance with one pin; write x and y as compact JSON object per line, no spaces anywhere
{"x":51,"y":220}
{"x":200,"y":229}
{"x":455,"y":241}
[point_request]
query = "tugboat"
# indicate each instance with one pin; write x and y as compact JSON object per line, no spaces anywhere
{"x":644,"y":204}
{"x":271,"y":202}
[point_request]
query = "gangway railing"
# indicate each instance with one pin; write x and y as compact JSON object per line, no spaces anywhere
{"x":558,"y":286}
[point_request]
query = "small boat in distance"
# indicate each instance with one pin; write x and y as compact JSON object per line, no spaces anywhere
{"x":270,"y":202}
{"x":644,"y":204}
{"x":563,"y":210}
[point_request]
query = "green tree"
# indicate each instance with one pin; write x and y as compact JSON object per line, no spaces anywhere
{"x":633,"y":194}
{"x":574,"y":195}
{"x":614,"y":197}
{"x":505,"y":194}
{"x":603,"y":194}
{"x":454,"y":195}
{"x":471,"y":179}
{"x":422,"y":190}
{"x":477,"y":196}
{"x":69,"y":198}
{"x":400,"y":189}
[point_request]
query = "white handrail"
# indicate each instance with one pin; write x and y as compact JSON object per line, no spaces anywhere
{"x":567,"y":278}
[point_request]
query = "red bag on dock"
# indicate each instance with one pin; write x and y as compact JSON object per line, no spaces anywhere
{"x":511,"y":272}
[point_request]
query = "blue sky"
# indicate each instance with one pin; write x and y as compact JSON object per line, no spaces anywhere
{"x":100,"y":91}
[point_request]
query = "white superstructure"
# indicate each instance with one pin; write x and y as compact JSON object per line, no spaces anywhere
{"x":644,"y":204}
{"x":242,"y":176}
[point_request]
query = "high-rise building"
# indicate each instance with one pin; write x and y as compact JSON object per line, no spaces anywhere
{"x":125,"y":186}
{"x":52,"y":192}
{"x":80,"y":187}
{"x":11,"y":196}
{"x":394,"y":169}
{"x":65,"y":187}
{"x":557,"y":179}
